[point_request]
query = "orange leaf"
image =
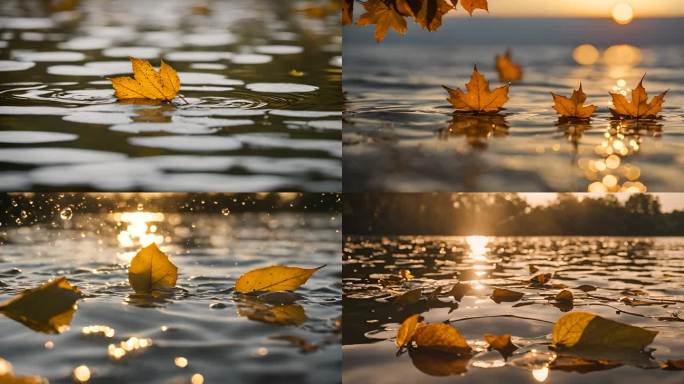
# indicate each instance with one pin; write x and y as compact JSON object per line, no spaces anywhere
{"x":478,"y":98}
{"x":427,"y":13}
{"x":347,"y":16}
{"x":147,"y":83}
{"x":508,"y":70}
{"x":573,"y":106}
{"x":384,"y":16}
{"x":472,"y":5}
{"x":639,"y":106}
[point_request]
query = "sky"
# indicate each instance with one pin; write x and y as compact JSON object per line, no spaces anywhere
{"x":578,"y":8}
{"x":669,"y":201}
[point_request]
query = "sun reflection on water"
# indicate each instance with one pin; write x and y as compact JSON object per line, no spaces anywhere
{"x":540,"y":374}
{"x":138,"y":228}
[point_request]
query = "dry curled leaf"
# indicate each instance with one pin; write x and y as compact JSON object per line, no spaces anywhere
{"x":540,"y":279}
{"x":7,"y":375}
{"x":508,"y":70}
{"x":501,"y":294}
{"x":275,"y":278}
{"x":151,"y":270}
{"x":384,"y":15}
{"x":406,"y":331}
{"x":147,"y":83}
{"x":478,"y":98}
{"x":639,"y":107}
{"x":584,"y":330}
{"x":573,"y":107}
{"x":501,"y":343}
{"x":440,"y":337}
{"x":471,"y":5}
{"x":47,"y":308}
{"x":564,"y":295}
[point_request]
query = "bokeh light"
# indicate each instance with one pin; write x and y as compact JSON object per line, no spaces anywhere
{"x":586,"y":54}
{"x":623,"y":13}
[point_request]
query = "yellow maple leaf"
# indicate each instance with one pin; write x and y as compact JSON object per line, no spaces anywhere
{"x":385,"y":16}
{"x":574,"y":106}
{"x":508,"y":70}
{"x":472,"y":5}
{"x":639,"y":107}
{"x":151,"y":269}
{"x":147,"y":83}
{"x":478,"y":98}
{"x":275,"y":278}
{"x":47,"y":308}
{"x":587,"y":330}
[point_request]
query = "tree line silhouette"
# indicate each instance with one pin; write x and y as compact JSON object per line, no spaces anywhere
{"x":507,"y":214}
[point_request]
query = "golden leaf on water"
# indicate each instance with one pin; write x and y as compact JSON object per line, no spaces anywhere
{"x":505,"y":295}
{"x":147,"y":83}
{"x":406,"y":274}
{"x":274,"y":278}
{"x":151,"y":270}
{"x":573,"y":106}
{"x":564,"y":295}
{"x":589,"y":331}
{"x":478,"y":97}
{"x":47,"y":308}
{"x":501,"y":343}
{"x":7,"y":375}
{"x":406,"y":331}
{"x":639,"y":107}
{"x":540,"y":279}
{"x":440,"y":337}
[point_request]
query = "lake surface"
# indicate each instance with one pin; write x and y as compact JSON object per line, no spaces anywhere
{"x":260,"y":82}
{"x":203,"y":321}
{"x":647,"y":272}
{"x":400,"y":133}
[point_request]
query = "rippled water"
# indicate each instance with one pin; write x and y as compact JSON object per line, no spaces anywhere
{"x":398,"y":120}
{"x":261,"y":80}
{"x":647,"y":271}
{"x":203,"y":321}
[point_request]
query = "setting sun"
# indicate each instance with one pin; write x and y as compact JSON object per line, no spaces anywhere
{"x":623,"y":13}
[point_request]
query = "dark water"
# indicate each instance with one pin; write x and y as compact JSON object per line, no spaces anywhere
{"x":203,"y":321}
{"x":398,"y":121}
{"x":649,"y":270}
{"x":249,"y":124}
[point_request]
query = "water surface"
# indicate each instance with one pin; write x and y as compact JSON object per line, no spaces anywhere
{"x":260,"y":81}
{"x":637,"y":281}
{"x":400,"y":134}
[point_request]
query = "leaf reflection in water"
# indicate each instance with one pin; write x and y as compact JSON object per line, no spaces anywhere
{"x":436,"y":363}
{"x":477,"y":128}
{"x":287,"y":314}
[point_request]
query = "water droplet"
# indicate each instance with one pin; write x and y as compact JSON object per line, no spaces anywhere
{"x":225,"y":211}
{"x":140,"y":207}
{"x":66,"y":213}
{"x":24,"y":214}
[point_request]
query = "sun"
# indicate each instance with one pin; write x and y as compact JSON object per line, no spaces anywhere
{"x":623,"y":13}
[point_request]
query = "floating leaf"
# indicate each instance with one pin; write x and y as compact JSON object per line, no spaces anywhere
{"x":440,"y":337}
{"x":586,"y":288}
{"x":573,"y":107}
{"x":275,"y":278}
{"x":540,"y":279}
{"x":7,"y":375}
{"x":508,"y":70}
{"x":304,"y":346}
{"x":147,"y":83}
{"x":384,"y":15}
{"x":471,"y":5}
{"x":409,"y":297}
{"x":47,"y":308}
{"x":478,"y":98}
{"x":501,"y":343}
{"x":501,"y":294}
{"x":564,"y":295}
{"x":289,"y":314}
{"x":458,"y":291}
{"x":532,"y":268}
{"x":589,"y":331}
{"x":639,"y":107}
{"x":151,"y":270}
{"x":406,"y":331}
{"x":436,"y":363}
{"x":406,"y":274}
